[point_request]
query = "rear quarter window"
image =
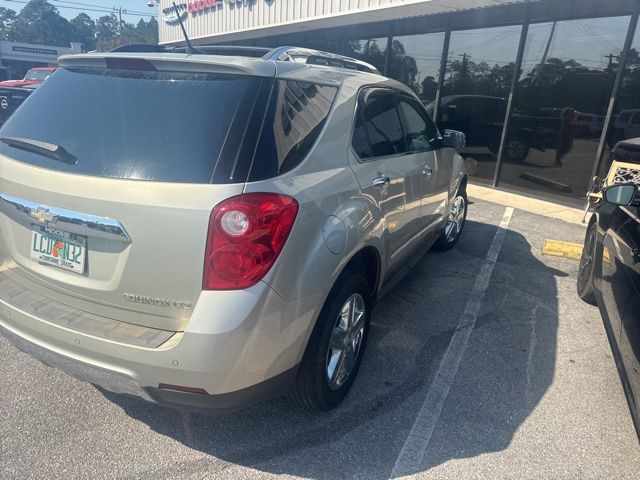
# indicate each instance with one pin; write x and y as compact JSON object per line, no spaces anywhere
{"x":296,"y":115}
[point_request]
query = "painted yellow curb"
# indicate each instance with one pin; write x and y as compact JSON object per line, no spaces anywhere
{"x":558,"y":248}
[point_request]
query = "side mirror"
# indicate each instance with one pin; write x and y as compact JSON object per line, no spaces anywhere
{"x":453,"y":139}
{"x":623,"y":194}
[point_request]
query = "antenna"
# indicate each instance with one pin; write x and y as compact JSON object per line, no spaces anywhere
{"x":189,"y":50}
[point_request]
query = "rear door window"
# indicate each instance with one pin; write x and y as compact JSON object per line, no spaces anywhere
{"x":163,"y":126}
{"x":377,"y":130}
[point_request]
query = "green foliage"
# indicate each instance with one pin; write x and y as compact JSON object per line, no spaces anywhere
{"x":40,"y":22}
{"x":84,"y":29}
{"x":7,"y":17}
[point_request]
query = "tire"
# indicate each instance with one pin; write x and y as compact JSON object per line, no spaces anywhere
{"x":456,"y":220}
{"x":585,"y":287}
{"x":314,"y":389}
{"x":516,"y":149}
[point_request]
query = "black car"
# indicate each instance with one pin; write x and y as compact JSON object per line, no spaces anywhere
{"x":481,"y":119}
{"x":609,"y":276}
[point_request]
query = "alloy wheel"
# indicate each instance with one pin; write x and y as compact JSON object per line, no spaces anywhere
{"x":456,"y":218}
{"x":346,"y":341}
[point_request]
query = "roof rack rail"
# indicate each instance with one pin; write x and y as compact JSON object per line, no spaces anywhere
{"x":317,"y":57}
{"x":286,"y":54}
{"x":230,"y":50}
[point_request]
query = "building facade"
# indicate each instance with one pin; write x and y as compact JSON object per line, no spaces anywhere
{"x":17,"y":58}
{"x":543,"y":89}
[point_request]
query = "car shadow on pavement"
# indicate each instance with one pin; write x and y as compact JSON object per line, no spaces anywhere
{"x":505,"y":371}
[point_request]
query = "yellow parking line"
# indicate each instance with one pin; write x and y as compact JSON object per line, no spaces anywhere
{"x":558,"y":248}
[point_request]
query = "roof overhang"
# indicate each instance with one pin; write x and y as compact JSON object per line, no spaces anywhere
{"x":400,"y":9}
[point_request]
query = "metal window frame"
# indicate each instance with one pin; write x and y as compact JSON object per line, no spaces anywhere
{"x":443,"y":70}
{"x":524,"y":33}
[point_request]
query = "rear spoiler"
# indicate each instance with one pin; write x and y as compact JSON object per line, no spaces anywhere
{"x":174,"y":62}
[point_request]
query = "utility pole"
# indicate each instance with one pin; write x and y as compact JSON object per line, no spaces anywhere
{"x":546,"y":51}
{"x":611,"y":56}
{"x":119,"y":11}
{"x":549,"y":42}
{"x":465,"y":64}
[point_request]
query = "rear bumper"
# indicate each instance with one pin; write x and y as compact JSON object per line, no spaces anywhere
{"x":240,"y":350}
{"x":121,"y":384}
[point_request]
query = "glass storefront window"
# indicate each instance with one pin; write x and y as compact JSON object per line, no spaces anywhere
{"x":372,"y":50}
{"x":332,"y":46}
{"x":625,"y":124}
{"x":560,"y":103}
{"x":480,"y":69}
{"x":415,"y":60}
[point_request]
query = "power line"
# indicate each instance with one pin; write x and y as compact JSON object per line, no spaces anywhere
{"x":88,"y":9}
{"x":98,"y":6}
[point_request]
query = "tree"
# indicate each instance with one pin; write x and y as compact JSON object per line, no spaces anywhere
{"x":7,"y":17}
{"x":147,"y":32}
{"x":84,"y":31}
{"x":40,"y":22}
{"x":107,"y":33}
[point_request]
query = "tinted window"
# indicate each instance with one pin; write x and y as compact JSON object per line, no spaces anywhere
{"x":295,"y":117}
{"x":624,"y":117}
{"x":636,"y":118}
{"x":419,"y":129}
{"x":166,"y":126}
{"x":378,"y":131}
{"x":495,"y":110}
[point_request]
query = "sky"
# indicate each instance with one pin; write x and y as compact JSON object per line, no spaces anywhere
{"x":70,"y":8}
{"x":588,"y":41}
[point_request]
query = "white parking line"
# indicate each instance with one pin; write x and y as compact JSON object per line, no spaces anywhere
{"x":415,"y":446}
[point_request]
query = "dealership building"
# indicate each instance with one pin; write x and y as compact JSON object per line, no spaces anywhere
{"x":16,"y":58}
{"x":543,"y":89}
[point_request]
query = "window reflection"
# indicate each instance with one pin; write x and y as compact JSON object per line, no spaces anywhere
{"x":480,"y":68}
{"x":623,"y":142}
{"x":372,"y":50}
{"x":415,"y":61}
{"x":560,"y":102}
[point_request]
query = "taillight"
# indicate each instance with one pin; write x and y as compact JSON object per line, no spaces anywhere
{"x":246,"y":235}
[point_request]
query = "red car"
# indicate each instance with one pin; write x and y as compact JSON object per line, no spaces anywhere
{"x":34,"y":76}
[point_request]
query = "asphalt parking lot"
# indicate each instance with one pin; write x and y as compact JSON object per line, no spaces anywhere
{"x":482,"y":363}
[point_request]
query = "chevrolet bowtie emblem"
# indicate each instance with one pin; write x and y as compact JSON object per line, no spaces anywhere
{"x":42,"y":215}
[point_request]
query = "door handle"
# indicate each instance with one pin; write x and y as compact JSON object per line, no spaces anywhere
{"x":427,"y":172}
{"x":380,"y":181}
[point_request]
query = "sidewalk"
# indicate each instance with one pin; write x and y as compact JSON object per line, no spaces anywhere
{"x":526,"y":203}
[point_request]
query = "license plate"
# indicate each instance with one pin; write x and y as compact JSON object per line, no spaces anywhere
{"x":58,"y":248}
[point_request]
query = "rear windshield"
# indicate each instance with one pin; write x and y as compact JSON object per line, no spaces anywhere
{"x":163,"y":126}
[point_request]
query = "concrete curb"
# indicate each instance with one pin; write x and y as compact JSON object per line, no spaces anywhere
{"x":528,"y":204}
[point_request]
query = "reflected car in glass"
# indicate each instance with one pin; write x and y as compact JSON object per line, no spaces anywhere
{"x":626,"y":125}
{"x":481,"y":119}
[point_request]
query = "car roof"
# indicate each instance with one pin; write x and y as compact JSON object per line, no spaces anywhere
{"x":635,"y":142}
{"x":239,"y":65}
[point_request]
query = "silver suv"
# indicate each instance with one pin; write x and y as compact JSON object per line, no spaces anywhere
{"x":204,"y":231}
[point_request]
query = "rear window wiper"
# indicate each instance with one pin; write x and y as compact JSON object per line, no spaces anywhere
{"x":47,"y":149}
